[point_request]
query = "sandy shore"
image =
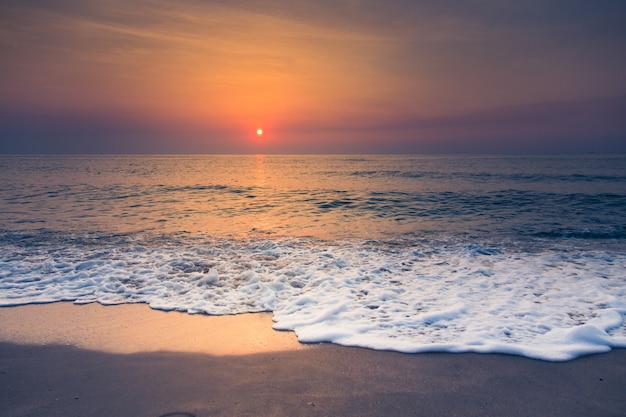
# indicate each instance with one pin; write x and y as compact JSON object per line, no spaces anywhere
{"x":66,"y":360}
{"x":133,"y":328}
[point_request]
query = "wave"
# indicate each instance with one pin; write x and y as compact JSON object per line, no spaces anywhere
{"x":618,"y":233}
{"x":404,"y":295}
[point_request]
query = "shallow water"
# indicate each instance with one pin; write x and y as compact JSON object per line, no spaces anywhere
{"x":521,"y":255}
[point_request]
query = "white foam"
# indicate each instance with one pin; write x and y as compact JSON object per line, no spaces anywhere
{"x":551,"y":305}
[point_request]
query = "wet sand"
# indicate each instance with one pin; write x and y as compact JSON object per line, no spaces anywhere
{"x":65,"y":378}
{"x":133,"y":328}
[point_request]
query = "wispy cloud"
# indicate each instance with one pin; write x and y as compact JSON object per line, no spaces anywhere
{"x":229,"y":65}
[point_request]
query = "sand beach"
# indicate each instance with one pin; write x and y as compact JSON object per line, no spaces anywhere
{"x":90,"y":360}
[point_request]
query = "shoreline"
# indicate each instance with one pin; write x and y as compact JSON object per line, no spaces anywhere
{"x":135,"y":328}
{"x":175,"y":378}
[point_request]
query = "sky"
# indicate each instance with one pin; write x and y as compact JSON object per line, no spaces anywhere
{"x":324,"y":76}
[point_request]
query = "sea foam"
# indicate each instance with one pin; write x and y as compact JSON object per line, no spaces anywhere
{"x":550,"y":304}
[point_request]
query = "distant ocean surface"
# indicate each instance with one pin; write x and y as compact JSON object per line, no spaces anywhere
{"x":513,"y":254}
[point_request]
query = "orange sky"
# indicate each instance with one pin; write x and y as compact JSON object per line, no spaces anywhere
{"x":358,"y":76}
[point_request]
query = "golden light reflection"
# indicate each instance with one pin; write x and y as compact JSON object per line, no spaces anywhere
{"x":259,"y":172}
{"x":133,"y":328}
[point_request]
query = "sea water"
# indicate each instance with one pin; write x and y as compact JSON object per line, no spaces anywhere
{"x":512,"y":254}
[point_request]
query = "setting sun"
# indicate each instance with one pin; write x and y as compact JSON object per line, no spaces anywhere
{"x":259,"y":132}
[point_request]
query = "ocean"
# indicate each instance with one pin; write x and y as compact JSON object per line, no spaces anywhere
{"x":521,"y":255}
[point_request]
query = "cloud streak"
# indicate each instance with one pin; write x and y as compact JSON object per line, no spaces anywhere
{"x":153,"y":68}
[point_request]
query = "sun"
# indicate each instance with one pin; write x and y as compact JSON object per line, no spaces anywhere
{"x":259,"y":132}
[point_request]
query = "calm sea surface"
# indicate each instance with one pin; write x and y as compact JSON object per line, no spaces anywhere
{"x":523,"y":255}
